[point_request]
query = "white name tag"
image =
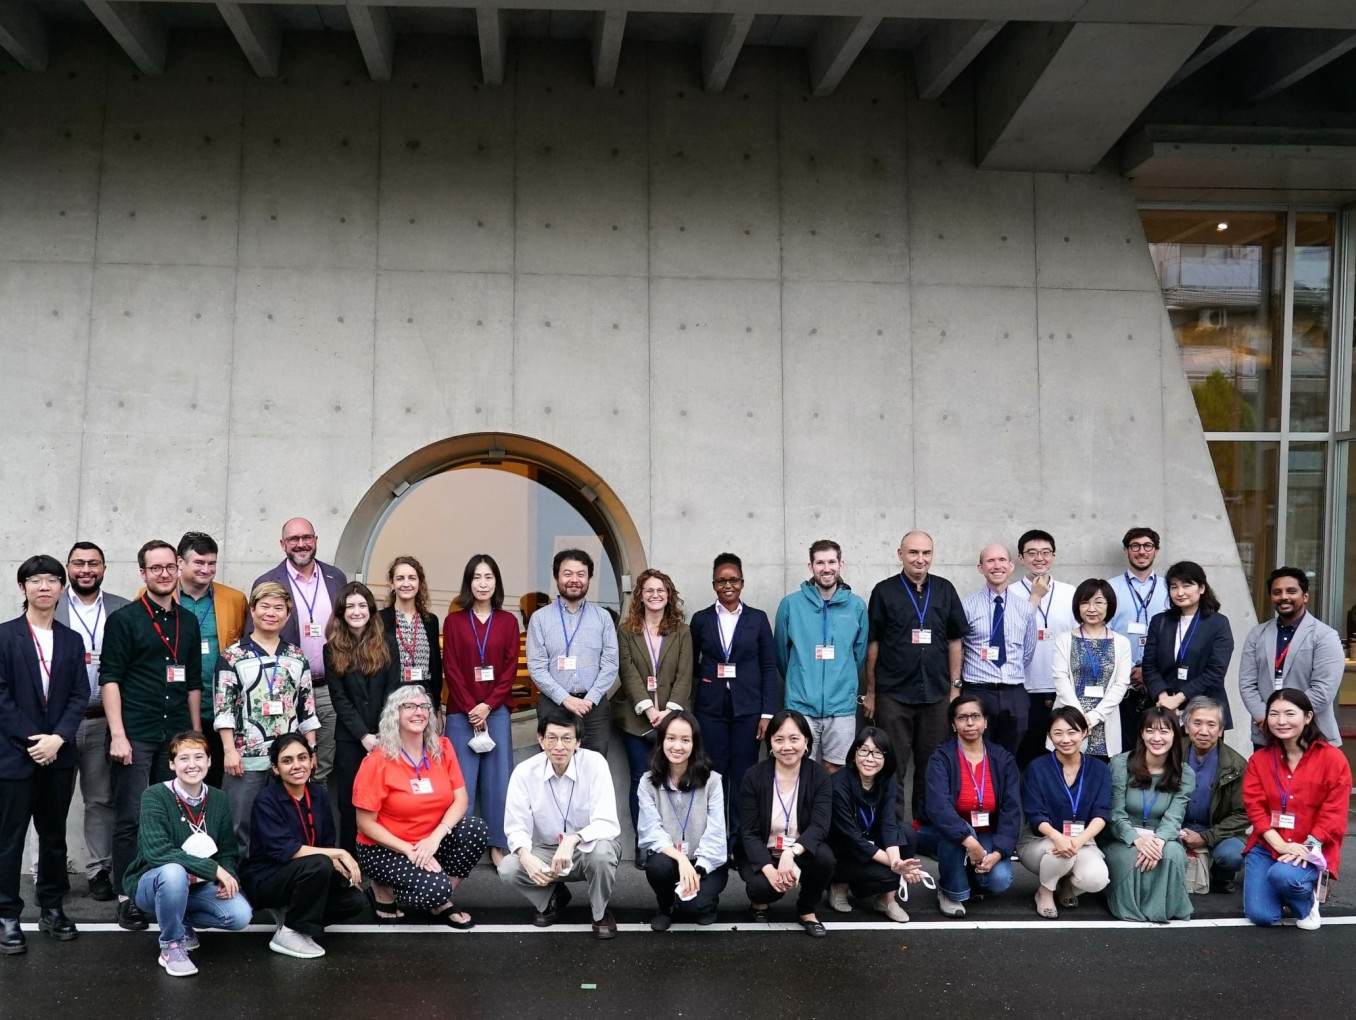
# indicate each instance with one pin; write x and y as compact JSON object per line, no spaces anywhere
{"x":312,"y":630}
{"x":206,"y":648}
{"x":484,"y":674}
{"x":1280,"y":820}
{"x":91,"y":658}
{"x":785,"y":843}
{"x":651,"y":683}
{"x":1137,"y":628}
{"x":725,"y":670}
{"x":922,"y":636}
{"x":989,"y":653}
{"x":413,"y":675}
{"x":1094,"y":691}
{"x":1072,"y":829}
{"x":823,"y":651}
{"x":567,"y":662}
{"x":175,"y":674}
{"x":1143,"y":641}
{"x":421,"y":786}
{"x":1278,"y":683}
{"x":979,"y":819}
{"x":1182,"y":672}
{"x":1044,"y":634}
{"x":683,"y":847}
{"x":273,"y":708}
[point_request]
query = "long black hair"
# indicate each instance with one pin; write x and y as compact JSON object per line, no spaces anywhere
{"x":1138,"y":763}
{"x":1192,"y":573}
{"x":465,"y":599}
{"x":698,"y":762}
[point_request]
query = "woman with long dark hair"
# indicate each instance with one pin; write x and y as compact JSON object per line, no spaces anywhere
{"x":406,"y":618}
{"x":1187,"y":650}
{"x":480,"y":661}
{"x":682,"y":823}
{"x":1150,"y":788}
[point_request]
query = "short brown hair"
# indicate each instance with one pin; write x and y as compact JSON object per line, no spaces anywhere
{"x":189,"y":738}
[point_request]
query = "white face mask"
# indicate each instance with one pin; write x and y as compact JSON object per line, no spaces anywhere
{"x":199,"y":844}
{"x":481,"y":743}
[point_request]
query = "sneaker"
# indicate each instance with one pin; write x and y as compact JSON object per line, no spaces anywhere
{"x":101,"y":887}
{"x":948,"y":906}
{"x":293,"y":943}
{"x":1311,"y":921}
{"x":176,"y":961}
{"x":189,"y":942}
{"x":893,"y":910}
{"x":838,"y":901}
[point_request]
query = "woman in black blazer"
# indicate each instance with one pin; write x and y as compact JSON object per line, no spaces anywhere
{"x":419,"y":648}
{"x":363,"y":667}
{"x":1188,"y":647}
{"x":786,"y":803}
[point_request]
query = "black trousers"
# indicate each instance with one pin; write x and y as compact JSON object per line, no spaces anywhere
{"x":45,"y":798}
{"x":816,"y":869}
{"x":1007,"y":706}
{"x":312,"y":895}
{"x":865,"y":878}
{"x":661,"y":871}
{"x":1039,"y":706}
{"x":347,"y":757}
{"x":150,"y":764}
{"x":916,"y":731}
{"x":217,"y":770}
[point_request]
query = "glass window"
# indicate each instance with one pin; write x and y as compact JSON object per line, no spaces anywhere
{"x":1248,"y":480}
{"x":1346,"y":622}
{"x":1307,"y":483}
{"x":1310,"y":352}
{"x":1222,"y":275}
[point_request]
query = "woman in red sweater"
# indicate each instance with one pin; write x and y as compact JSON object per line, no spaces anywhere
{"x":1296,"y":789}
{"x":480,"y":660}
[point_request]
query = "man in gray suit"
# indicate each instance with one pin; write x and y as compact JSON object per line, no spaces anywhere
{"x":313,"y":604}
{"x":1294,"y":650}
{"x":84,"y":608}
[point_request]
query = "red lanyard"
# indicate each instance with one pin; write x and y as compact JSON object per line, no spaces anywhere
{"x":194,"y":823}
{"x":414,"y":638}
{"x":307,"y":819}
{"x":41,"y":658}
{"x":174,"y":651}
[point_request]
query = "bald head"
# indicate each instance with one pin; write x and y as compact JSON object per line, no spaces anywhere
{"x":995,"y":564}
{"x":298,"y":543}
{"x":915,"y":553}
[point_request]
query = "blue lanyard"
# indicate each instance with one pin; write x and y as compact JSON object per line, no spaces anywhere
{"x":1074,"y":798}
{"x":211,"y":604}
{"x":1141,"y":605}
{"x":423,"y":762}
{"x":315,"y":594}
{"x":826,"y":626}
{"x":1044,"y":605}
{"x":1148,"y":804}
{"x":687,"y":817}
{"x":927,"y":597}
{"x":564,"y":815}
{"x":1094,"y":663}
{"x":481,"y":645}
{"x":867,"y":820}
{"x":98,"y":612}
{"x":569,"y":635}
{"x":269,"y":677}
{"x":1186,"y":640}
{"x":786,"y":811}
{"x":724,"y":648}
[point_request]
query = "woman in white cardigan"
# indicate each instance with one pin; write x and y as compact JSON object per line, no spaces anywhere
{"x":1091,"y":667}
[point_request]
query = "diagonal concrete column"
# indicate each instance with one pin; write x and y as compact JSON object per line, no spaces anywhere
{"x":256,"y":29}
{"x":376,"y":38}
{"x":834,"y":49}
{"x":724,"y":38}
{"x":492,"y":28}
{"x":608,"y":29}
{"x":23,"y":34}
{"x":137,"y":29}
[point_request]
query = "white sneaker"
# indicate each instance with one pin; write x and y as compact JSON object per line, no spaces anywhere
{"x":294,"y":943}
{"x":891,"y":909}
{"x":1311,"y":921}
{"x":948,"y":906}
{"x":839,"y":902}
{"x":176,"y":961}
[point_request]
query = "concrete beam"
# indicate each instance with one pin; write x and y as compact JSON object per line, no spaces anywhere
{"x":492,"y":27}
{"x":137,"y":29}
{"x":256,"y":29}
{"x":1216,"y":43}
{"x":1291,"y":57}
{"x":947,"y":50}
{"x":834,"y":49}
{"x":725,"y":34}
{"x":608,"y":29}
{"x":23,"y":34}
{"x":376,"y":38}
{"x":1057,"y":97}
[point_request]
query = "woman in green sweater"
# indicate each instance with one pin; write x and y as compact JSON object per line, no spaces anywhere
{"x":186,"y":869}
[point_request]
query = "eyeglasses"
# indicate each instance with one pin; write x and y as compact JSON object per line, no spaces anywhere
{"x":298,"y":539}
{"x":1099,"y":602}
{"x":871,"y":753}
{"x":81,"y":564}
{"x":558,"y":739}
{"x":415,"y":706}
{"x":158,"y":570}
{"x":1039,"y":552}
{"x":1141,"y":547}
{"x":728,"y":582}
{"x":969,"y":717}
{"x":43,"y":581}
{"x":654,"y":591}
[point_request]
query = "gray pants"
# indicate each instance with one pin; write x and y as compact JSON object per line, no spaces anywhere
{"x":324,"y":742}
{"x":96,"y":788}
{"x":598,"y":868}
{"x":240,"y":793}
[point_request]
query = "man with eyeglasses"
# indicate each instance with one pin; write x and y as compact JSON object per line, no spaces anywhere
{"x":85,"y":609}
{"x":1052,"y":602}
{"x":561,"y":821}
{"x":151,"y":676}
{"x":314,"y":586}
{"x":1141,"y":595}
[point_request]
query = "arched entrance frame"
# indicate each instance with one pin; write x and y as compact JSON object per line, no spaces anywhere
{"x":568,"y":477}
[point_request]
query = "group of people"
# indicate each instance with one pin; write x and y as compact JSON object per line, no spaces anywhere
{"x":1076,"y":729}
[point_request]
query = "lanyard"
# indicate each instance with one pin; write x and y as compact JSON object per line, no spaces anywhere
{"x":981,"y":780}
{"x":688,"y":816}
{"x":564,"y":815}
{"x":481,"y":645}
{"x":1148,"y":805}
{"x":42,"y":657}
{"x":193,"y":823}
{"x":174,"y":649}
{"x":1184,"y":642}
{"x":927,"y":597}
{"x":1093,"y":661}
{"x":209,"y":598}
{"x":569,"y":635}
{"x":868,"y":820}
{"x":826,"y":630}
{"x":307,"y":819}
{"x":996,"y":615}
{"x":720,"y":633}
{"x":423,"y":762}
{"x":654,"y":652}
{"x":1075,"y":798}
{"x":269,"y":678}
{"x":1044,"y":605}
{"x":1280,"y":655}
{"x":315,"y":594}
{"x":98,"y":612}
{"x":413,"y":646}
{"x":786,"y":811}
{"x":1141,"y":605}
{"x":1285,"y":790}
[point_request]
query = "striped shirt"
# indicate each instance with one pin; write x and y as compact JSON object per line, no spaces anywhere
{"x":1019,"y":630}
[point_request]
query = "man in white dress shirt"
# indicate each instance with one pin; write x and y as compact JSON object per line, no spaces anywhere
{"x":561,"y":822}
{"x":1052,"y":602}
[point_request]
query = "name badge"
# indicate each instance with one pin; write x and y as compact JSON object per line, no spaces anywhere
{"x":91,"y":658}
{"x":979,"y":819}
{"x":683,"y":847}
{"x":567,"y":662}
{"x":725,"y":670}
{"x":651,"y":683}
{"x":1281,"y":820}
{"x":206,"y":648}
{"x":1072,"y":829}
{"x":413,"y":675}
{"x":1094,"y":691}
{"x":1143,"y":641}
{"x":1182,"y":672}
{"x":1137,"y":628}
{"x":989,"y":653}
{"x":312,"y":630}
{"x":421,"y":786}
{"x":273,"y":708}
{"x":1278,"y":683}
{"x":1044,"y":634}
{"x":823,"y":651}
{"x":785,"y":843}
{"x":484,"y":674}
{"x":175,"y":674}
{"x":922,"y":636}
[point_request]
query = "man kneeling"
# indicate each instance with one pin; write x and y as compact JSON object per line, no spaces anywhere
{"x":561,"y":824}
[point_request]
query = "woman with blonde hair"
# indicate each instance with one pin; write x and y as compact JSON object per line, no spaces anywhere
{"x":406,"y":619}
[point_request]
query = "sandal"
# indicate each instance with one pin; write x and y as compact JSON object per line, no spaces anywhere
{"x":448,"y":918}
{"x":385,"y":912}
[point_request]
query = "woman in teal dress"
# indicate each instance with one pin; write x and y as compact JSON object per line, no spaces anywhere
{"x":1150,"y":788}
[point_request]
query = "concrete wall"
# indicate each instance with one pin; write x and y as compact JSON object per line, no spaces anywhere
{"x":763,"y":318}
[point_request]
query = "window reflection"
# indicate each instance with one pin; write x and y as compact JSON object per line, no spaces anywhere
{"x":1306,"y":484}
{"x":1248,"y":479}
{"x":1312,"y":330}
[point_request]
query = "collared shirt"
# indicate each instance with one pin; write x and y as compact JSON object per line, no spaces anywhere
{"x":1198,"y":807}
{"x":204,"y":610}
{"x":728,"y":621}
{"x":88,"y":622}
{"x":542,"y":806}
{"x":914,"y":673}
{"x":592,"y":639}
{"x":1131,"y":594}
{"x":311,"y":602}
{"x":1019,"y":630}
{"x":1054,"y":616}
{"x":1285,"y":633}
{"x":260,"y":697}
{"x":134,"y":657}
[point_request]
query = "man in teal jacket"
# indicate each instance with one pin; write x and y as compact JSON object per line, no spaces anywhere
{"x":821,"y":648}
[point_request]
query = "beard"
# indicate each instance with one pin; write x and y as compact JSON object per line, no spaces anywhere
{"x":81,"y":589}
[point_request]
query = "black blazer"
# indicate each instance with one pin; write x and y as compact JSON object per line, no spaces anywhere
{"x":848,"y":836}
{"x":1207,"y":659}
{"x":22,"y":710}
{"x":291,"y":630}
{"x":434,"y":632}
{"x":358,"y":698}
{"x":753,"y":691}
{"x":814,"y":810}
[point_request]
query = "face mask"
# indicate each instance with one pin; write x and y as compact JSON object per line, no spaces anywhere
{"x":481,"y":743}
{"x":199,"y":844}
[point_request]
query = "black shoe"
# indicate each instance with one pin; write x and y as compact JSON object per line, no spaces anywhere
{"x":131,"y":918}
{"x":707,"y":917}
{"x":101,"y":888}
{"x":12,"y":939}
{"x":560,"y":898}
{"x":661,"y":922}
{"x":1222,"y":882}
{"x":56,"y":924}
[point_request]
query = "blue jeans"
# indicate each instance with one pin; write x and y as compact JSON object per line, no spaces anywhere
{"x":165,"y":891}
{"x":1268,"y":885}
{"x":1227,"y":854}
{"x":953,"y":871}
{"x":486,"y":774}
{"x":638,"y":751}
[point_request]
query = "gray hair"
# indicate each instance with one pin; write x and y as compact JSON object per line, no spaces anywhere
{"x":388,"y":729}
{"x":1201,"y":702}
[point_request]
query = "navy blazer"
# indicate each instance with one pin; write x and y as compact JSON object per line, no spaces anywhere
{"x":276,"y":831}
{"x":944,"y":786}
{"x":22,"y":710}
{"x":1207,"y":660}
{"x":291,"y":632}
{"x":753,"y":691}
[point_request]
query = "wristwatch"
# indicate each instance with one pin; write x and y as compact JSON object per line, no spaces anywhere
{"x":957,"y":683}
